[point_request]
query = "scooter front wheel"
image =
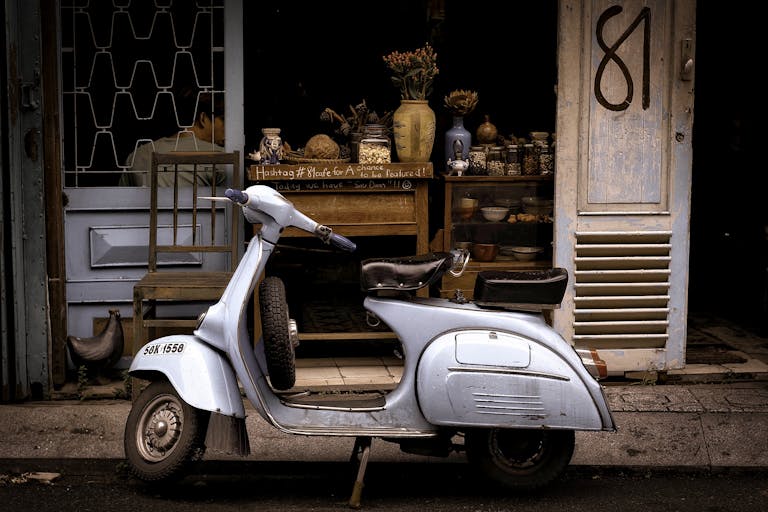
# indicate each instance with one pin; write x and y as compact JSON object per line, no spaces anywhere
{"x":520,"y":459}
{"x":163,"y":434}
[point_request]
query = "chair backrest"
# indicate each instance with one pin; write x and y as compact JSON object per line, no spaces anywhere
{"x":183,"y":227}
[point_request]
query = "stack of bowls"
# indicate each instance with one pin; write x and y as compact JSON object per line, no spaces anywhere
{"x":508,"y":202}
{"x":538,"y":205}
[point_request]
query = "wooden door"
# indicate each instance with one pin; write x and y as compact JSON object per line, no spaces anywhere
{"x":623,"y":178}
{"x":122,"y":78}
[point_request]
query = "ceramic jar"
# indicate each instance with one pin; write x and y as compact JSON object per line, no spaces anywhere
{"x":457,"y":133}
{"x":413,"y":124}
{"x":487,"y":132}
{"x":271,"y":146}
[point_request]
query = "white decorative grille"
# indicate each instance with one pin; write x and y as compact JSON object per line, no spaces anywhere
{"x":124,"y":65}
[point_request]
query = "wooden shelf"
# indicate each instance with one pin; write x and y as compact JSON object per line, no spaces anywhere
{"x":497,"y":179}
{"x":487,"y":189}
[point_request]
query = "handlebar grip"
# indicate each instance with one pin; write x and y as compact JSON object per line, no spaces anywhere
{"x":343,"y":242}
{"x":237,"y":196}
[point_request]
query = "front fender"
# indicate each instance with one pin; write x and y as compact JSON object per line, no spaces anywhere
{"x":202,"y":376}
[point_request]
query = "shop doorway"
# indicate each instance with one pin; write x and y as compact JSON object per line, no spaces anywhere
{"x":729,"y":218}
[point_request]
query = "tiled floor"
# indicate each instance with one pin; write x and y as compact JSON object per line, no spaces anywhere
{"x":338,"y":374}
{"x":383,"y":373}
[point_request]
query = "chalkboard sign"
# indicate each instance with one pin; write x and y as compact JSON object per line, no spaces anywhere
{"x":359,"y":185}
{"x":340,"y":171}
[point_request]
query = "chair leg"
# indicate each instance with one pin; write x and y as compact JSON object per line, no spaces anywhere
{"x":139,"y":340}
{"x":150,"y":312}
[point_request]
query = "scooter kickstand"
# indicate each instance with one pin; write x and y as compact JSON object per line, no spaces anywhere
{"x":362,"y":446}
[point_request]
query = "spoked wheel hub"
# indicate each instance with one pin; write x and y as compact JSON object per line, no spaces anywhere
{"x":162,"y":423}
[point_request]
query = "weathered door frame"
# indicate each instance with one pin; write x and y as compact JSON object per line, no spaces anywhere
{"x":24,"y":327}
{"x":601,"y":233}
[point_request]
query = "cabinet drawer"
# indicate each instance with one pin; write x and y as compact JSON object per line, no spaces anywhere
{"x":465,"y":283}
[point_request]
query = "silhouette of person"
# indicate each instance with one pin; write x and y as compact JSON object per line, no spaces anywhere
{"x":205,"y":134}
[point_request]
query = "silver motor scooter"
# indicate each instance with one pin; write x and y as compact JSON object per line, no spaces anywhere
{"x":489,"y":376}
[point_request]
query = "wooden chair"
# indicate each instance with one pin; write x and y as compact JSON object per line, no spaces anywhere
{"x":192,"y":252}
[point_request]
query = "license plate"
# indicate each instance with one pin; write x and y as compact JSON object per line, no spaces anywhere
{"x":164,"y":349}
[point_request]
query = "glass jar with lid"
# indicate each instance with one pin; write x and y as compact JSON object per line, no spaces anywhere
{"x":354,"y":145}
{"x":512,"y":166}
{"x":546,"y":161}
{"x":530,"y":160}
{"x":495,"y":161}
{"x":478,"y":160}
{"x":375,"y":146}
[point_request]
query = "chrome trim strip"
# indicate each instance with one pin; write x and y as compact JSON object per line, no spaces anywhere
{"x":330,"y":408}
{"x":507,"y":371}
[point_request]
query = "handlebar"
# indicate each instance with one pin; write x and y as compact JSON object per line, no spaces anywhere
{"x":236,"y":196}
{"x":273,"y":206}
{"x":343,"y":242}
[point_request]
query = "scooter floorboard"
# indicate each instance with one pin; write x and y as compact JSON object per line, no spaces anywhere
{"x":345,"y":400}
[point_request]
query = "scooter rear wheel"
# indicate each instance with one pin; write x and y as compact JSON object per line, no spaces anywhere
{"x":163,"y":434}
{"x":275,"y":328}
{"x":520,"y":459}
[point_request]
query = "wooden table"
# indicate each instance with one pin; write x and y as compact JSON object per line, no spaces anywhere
{"x":355,"y":200}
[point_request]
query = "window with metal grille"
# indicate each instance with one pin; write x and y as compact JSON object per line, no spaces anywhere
{"x":133,"y":72}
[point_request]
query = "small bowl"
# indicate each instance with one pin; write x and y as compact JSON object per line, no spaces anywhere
{"x":524,"y":253}
{"x":494,"y":213}
{"x":536,"y":201}
{"x":538,"y":205}
{"x":485,"y":252}
{"x":466,"y":213}
{"x":539,"y":135}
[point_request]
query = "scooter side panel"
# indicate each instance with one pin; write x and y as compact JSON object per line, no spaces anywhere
{"x":495,"y":379}
{"x":201,"y":376}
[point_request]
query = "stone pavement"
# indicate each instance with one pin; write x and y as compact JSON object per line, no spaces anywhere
{"x":703,"y":426}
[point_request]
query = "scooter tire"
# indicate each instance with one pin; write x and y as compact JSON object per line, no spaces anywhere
{"x":520,"y":459}
{"x":278,"y":347}
{"x":163,"y":434}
